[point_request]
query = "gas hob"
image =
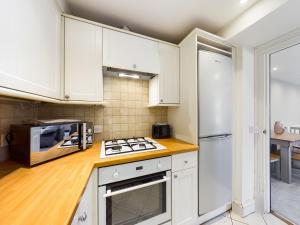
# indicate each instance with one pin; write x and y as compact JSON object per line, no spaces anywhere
{"x":127,"y":146}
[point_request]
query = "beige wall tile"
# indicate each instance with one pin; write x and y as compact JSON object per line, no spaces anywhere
{"x":107,"y":120}
{"x":125,"y":113}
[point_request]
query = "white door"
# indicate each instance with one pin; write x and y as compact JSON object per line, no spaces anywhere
{"x":129,"y":52}
{"x":184,"y":196}
{"x":169,"y":74}
{"x":30,"y":44}
{"x":215,"y":94}
{"x":83,"y":61}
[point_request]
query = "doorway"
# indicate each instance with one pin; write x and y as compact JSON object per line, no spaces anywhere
{"x":284,"y":120}
{"x":263,"y":125}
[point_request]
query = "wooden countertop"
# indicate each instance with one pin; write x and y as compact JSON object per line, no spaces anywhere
{"x":49,"y":193}
{"x":286,"y":137}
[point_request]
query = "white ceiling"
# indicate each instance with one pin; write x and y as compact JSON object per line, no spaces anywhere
{"x":281,"y":21}
{"x":168,"y":20}
{"x":287,"y":64}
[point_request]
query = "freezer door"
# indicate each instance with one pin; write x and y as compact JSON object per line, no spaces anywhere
{"x":215,"y":173}
{"x":215,"y":94}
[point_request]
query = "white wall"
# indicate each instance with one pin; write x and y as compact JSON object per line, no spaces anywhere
{"x":285,"y":103}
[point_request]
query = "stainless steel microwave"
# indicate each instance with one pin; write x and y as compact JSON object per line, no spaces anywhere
{"x":35,"y":144}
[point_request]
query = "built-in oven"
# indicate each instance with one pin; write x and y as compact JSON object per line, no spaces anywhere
{"x":135,"y":193}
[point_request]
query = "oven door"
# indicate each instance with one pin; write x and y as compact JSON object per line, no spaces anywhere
{"x":144,"y":201}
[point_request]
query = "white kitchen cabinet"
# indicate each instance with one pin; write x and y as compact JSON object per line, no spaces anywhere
{"x":130,"y":52}
{"x":164,"y":88}
{"x":30,"y":44}
{"x":184,"y":194}
{"x":86,"y":213}
{"x":83,"y":61}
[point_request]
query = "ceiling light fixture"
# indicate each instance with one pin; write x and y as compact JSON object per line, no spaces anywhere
{"x":134,"y":76}
{"x":275,"y":68}
{"x":243,"y":1}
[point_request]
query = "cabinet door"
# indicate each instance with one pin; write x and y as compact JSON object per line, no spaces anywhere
{"x":169,"y":74}
{"x":129,"y":52}
{"x":30,"y":46}
{"x":184,"y":196}
{"x":86,"y":213}
{"x":83,"y":61}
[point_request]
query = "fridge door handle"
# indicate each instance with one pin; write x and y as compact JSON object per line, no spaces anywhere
{"x":214,"y":138}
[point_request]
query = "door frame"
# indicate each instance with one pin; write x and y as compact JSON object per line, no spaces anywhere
{"x":262,"y":116}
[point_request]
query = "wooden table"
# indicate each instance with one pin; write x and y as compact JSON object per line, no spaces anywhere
{"x":286,"y":142}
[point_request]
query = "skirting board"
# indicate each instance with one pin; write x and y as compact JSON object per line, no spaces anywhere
{"x":208,"y":216}
{"x":243,"y":209}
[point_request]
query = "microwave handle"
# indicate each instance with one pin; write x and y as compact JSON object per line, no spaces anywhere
{"x":109,"y":193}
{"x":82,"y":136}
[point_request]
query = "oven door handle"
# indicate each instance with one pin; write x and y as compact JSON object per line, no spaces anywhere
{"x":109,"y":193}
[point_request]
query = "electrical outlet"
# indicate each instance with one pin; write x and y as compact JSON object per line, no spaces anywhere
{"x":98,"y":129}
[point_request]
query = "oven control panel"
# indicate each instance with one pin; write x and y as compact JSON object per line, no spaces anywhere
{"x":131,"y":170}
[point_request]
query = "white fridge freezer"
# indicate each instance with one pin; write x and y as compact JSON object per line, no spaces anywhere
{"x":215,"y":122}
{"x":215,"y":179}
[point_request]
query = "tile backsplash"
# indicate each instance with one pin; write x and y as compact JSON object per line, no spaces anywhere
{"x":124,"y":114}
{"x":13,"y":112}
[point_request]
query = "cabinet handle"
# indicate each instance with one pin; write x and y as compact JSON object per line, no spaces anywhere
{"x":83,"y":217}
{"x":175,"y":176}
{"x":161,"y":100}
{"x":186,"y":162}
{"x":67,"y":96}
{"x":134,"y":66}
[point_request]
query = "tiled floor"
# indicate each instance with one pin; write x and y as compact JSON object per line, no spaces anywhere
{"x":253,"y":219}
{"x":285,"y":198}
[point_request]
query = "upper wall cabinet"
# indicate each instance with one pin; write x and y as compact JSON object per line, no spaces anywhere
{"x":83,"y":61}
{"x":164,"y":88}
{"x":30,"y":43}
{"x":130,"y":52}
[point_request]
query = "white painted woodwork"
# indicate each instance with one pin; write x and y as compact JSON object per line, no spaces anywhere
{"x":243,"y":137}
{"x":184,"y":161}
{"x":86,"y":213}
{"x":184,"y":189}
{"x":262,"y":115}
{"x":83,"y":61}
{"x":164,"y":88}
{"x":30,"y":43}
{"x":184,"y":119}
{"x":129,"y":52}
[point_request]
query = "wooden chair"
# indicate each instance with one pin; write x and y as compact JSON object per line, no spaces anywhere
{"x":275,"y":160}
{"x":296,"y":149}
{"x":296,"y":156}
{"x":295,"y":130}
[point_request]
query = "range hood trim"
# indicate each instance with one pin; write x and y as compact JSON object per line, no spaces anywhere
{"x":114,"y":72}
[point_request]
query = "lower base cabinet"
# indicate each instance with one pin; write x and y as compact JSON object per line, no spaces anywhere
{"x":86,"y":213}
{"x":184,"y":190}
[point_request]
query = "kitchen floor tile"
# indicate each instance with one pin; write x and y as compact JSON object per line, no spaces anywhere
{"x":273,"y":220}
{"x":220,"y":220}
{"x":253,"y":219}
